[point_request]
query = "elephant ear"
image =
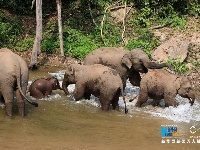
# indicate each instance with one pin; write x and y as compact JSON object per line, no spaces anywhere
{"x":70,"y":70}
{"x":134,"y":77}
{"x":126,"y":61}
{"x":177,"y":83}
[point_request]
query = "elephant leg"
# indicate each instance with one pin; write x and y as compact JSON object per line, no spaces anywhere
{"x":105,"y":103}
{"x":115,"y":100}
{"x":1,"y":97}
{"x":170,"y":100}
{"x":21,"y":104}
{"x":87,"y":95}
{"x":8,"y":95}
{"x":9,"y":107}
{"x":79,"y":92}
{"x":37,"y":94}
{"x":47,"y":93}
{"x":155,"y":102}
{"x":142,"y":98}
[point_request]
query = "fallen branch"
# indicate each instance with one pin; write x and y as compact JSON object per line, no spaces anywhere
{"x":33,"y":2}
{"x":124,"y":22}
{"x":121,"y":6}
{"x":104,"y":17}
{"x":124,"y":26}
{"x":102,"y":24}
{"x":113,"y":7}
{"x":161,"y":26}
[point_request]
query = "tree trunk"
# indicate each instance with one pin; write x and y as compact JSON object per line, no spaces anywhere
{"x":58,"y":2}
{"x":37,"y":43}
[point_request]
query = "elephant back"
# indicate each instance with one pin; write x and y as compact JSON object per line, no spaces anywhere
{"x":8,"y":62}
{"x":108,"y":56}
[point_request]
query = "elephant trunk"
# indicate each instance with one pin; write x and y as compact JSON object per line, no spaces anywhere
{"x":65,"y":85}
{"x":191,"y":97}
{"x":58,"y":84}
{"x":153,"y":65}
{"x":122,"y":93}
{"x":191,"y":101}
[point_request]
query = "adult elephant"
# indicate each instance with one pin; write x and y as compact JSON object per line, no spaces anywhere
{"x":127,"y":63}
{"x":95,"y":79}
{"x":43,"y":87}
{"x":13,"y":77}
{"x":159,"y":84}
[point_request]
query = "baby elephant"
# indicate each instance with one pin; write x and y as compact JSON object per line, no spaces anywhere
{"x":160,"y":84}
{"x":41,"y":88}
{"x":99,"y":80}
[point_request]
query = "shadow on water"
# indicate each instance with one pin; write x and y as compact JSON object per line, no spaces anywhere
{"x":60,"y":123}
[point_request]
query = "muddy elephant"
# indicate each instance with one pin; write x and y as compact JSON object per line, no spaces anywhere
{"x":160,"y":84}
{"x":99,"y":80}
{"x":43,"y":87}
{"x":127,"y":63}
{"x":13,"y":77}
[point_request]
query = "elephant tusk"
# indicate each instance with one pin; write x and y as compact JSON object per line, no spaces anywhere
{"x":191,"y":99}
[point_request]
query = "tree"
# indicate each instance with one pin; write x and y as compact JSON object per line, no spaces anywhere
{"x":58,"y":2}
{"x":38,"y":38}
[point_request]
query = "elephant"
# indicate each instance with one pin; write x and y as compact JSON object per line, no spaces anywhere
{"x":160,"y":84}
{"x":99,"y":80}
{"x":127,"y":63}
{"x":13,"y":78}
{"x":43,"y":87}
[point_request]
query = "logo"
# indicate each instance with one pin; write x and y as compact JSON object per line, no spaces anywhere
{"x":169,"y":131}
{"x":194,"y":130}
{"x":170,"y":134}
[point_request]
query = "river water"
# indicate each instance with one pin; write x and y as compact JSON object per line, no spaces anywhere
{"x":60,"y":123}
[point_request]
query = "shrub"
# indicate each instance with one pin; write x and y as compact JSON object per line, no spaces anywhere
{"x":25,"y":44}
{"x":145,"y":40}
{"x":10,"y":31}
{"x":77,"y":44}
{"x":178,"y":66}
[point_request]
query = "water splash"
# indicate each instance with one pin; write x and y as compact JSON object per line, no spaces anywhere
{"x":183,"y":113}
{"x":52,"y":97}
{"x":59,"y":75}
{"x":2,"y":105}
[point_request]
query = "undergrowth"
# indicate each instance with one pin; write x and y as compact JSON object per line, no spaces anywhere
{"x":85,"y":30}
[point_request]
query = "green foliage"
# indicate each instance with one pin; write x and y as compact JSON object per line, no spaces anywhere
{"x":178,"y":66}
{"x":10,"y":30}
{"x":50,"y":39}
{"x":145,"y":40}
{"x":25,"y":44}
{"x":81,"y":35}
{"x":142,"y":18}
{"x":194,"y":8}
{"x":16,"y":6}
{"x":180,"y":22}
{"x":111,"y":34}
{"x":77,"y":44}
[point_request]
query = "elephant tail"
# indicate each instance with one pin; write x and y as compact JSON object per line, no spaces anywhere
{"x":122,"y":93}
{"x":20,"y":89}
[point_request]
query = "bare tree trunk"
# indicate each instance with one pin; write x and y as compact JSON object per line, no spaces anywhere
{"x":37,"y":43}
{"x":58,"y":2}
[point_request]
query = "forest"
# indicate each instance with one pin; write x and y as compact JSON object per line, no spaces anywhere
{"x":90,"y":24}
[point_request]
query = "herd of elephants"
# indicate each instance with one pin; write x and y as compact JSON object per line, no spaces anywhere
{"x":103,"y":73}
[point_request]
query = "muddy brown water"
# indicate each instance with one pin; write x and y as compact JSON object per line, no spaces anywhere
{"x":61,"y":124}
